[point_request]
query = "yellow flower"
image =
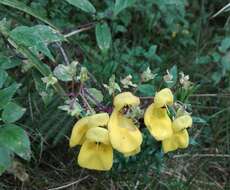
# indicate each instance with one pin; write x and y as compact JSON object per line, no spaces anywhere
{"x":124,"y":135}
{"x":180,"y":137}
{"x":163,"y":98}
{"x":83,"y":125}
{"x":156,"y":118}
{"x":96,"y":151}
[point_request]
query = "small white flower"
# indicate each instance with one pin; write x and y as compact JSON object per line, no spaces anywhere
{"x":184,"y":80}
{"x":49,"y":81}
{"x":147,"y":75}
{"x":127,"y":81}
{"x":168,"y":77}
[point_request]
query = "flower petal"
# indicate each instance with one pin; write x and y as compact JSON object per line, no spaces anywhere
{"x":124,"y":136}
{"x":136,"y":151}
{"x":100,"y":119}
{"x":96,"y":157}
{"x":98,"y":134}
{"x":125,"y":98}
{"x":182,"y":122}
{"x":163,"y":98}
{"x":82,"y":126}
{"x":78,"y":132}
{"x":177,"y":140}
{"x":158,"y":122}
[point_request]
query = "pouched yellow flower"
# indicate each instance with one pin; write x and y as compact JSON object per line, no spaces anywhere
{"x":124,"y":135}
{"x":163,"y":98}
{"x":180,"y":137}
{"x":158,"y":122}
{"x":96,"y":151}
{"x":83,"y":125}
{"x":156,"y":118}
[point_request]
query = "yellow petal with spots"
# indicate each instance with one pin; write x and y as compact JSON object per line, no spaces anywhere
{"x":124,"y":99}
{"x":95,"y":156}
{"x":124,"y":136}
{"x":182,"y":122}
{"x":81,"y":127}
{"x":163,"y":98}
{"x":177,"y":140}
{"x":98,"y":134}
{"x":158,"y":122}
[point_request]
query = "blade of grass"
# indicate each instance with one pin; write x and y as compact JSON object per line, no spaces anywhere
{"x":24,"y":8}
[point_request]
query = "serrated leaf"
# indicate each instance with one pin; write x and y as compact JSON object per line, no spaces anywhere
{"x":120,"y":5}
{"x":3,"y":77}
{"x":5,"y":159}
{"x":96,"y":94}
{"x":36,"y":38}
{"x":103,"y":36}
{"x":84,"y":5}
{"x":15,"y":139}
{"x":6,"y":94}
{"x":12,"y":112}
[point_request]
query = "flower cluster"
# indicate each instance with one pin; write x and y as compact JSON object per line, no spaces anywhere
{"x":99,"y":134}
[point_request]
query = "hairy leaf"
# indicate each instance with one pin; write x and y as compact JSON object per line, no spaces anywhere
{"x":12,"y":112}
{"x":15,"y":138}
{"x":103,"y":36}
{"x":84,"y":5}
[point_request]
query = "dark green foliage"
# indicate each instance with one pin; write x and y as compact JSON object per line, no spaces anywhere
{"x":119,"y":37}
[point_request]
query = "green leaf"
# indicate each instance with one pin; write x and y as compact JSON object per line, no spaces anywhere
{"x":84,"y":5}
{"x":15,"y":139}
{"x":96,"y":94}
{"x":120,"y":5}
{"x":12,"y":112}
{"x":198,"y":120}
{"x":225,"y":61}
{"x":36,"y":38}
{"x":3,"y":77}
{"x":146,"y":89}
{"x":5,"y":159}
{"x":103,"y":36}
{"x":66,"y":72}
{"x":23,"y":7}
{"x":6,"y":94}
{"x":7,"y":63}
{"x":45,"y":93}
{"x":225,"y":45}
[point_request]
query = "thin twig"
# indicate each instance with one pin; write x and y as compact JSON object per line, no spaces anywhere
{"x":63,"y":53}
{"x":211,"y":95}
{"x":70,"y":184}
{"x":79,"y":30}
{"x":82,"y":95}
{"x":202,"y":155}
{"x":98,"y":104}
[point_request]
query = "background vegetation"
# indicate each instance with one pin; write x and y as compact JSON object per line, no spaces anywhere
{"x":44,"y":38}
